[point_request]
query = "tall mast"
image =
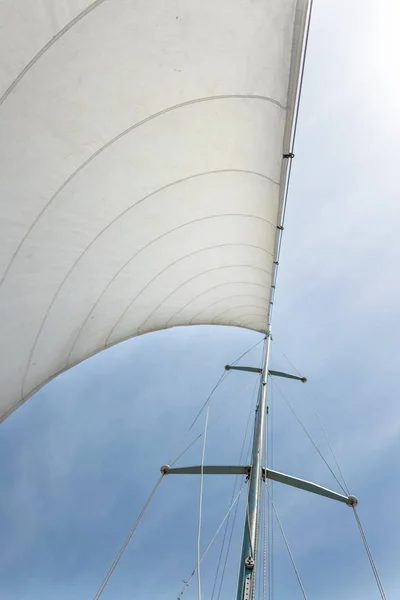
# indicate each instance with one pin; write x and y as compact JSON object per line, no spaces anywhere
{"x":248,"y":561}
{"x":256,"y":473}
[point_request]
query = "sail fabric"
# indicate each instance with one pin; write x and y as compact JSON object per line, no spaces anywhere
{"x":142,"y":171}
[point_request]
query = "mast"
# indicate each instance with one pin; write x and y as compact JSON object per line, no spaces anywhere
{"x":256,"y":473}
{"x":248,"y":561}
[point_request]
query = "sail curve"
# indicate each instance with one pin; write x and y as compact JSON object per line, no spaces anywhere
{"x":142,"y":170}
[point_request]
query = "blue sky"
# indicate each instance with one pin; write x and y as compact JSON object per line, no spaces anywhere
{"x":80,"y":458}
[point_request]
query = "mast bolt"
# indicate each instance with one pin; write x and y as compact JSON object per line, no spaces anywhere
{"x":249,"y":562}
{"x":164,"y":469}
{"x":353,"y":501}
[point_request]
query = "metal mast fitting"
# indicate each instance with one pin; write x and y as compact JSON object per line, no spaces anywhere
{"x":270,"y":372}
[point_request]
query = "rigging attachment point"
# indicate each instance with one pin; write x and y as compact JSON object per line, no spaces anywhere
{"x":249,"y":562}
{"x":164,"y":469}
{"x":227,"y":367}
{"x":353,"y":501}
{"x":288,"y":155}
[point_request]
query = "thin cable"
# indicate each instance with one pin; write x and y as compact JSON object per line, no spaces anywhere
{"x":287,"y":546}
{"x":247,"y":456}
{"x":212,"y":540}
{"x":320,"y":423}
{"x":272,"y":591}
{"x":228,"y":548}
{"x":123,"y":548}
{"x":247,"y":351}
{"x":201,"y":494}
{"x":220,"y":380}
{"x":234,"y":489}
{"x":264,"y":505}
{"x":171,"y":464}
{"x":347,"y":491}
{"x":286,"y":357}
{"x":330,"y":446}
{"x":371,"y":560}
{"x":265,"y":516}
{"x":223,"y":376}
{"x":309,"y":436}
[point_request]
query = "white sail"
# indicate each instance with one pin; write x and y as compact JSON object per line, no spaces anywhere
{"x":142,"y":171}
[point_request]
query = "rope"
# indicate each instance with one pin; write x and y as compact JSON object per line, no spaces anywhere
{"x":371,"y":560}
{"x":123,"y":548}
{"x":287,"y":546}
{"x":309,"y":437}
{"x":211,"y":541}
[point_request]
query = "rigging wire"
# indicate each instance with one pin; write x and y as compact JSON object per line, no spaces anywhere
{"x":330,"y":446}
{"x":223,"y":376}
{"x":203,"y":452}
{"x":212,"y":540}
{"x":234,"y":487}
{"x":231,"y":533}
{"x":171,"y":464}
{"x":357,"y":518}
{"x":265,"y":529}
{"x":265,"y":539}
{"x":271,"y":487}
{"x":370,"y":557}
{"x":317,"y":414}
{"x":287,"y":545}
{"x":249,"y":350}
{"x":125,"y":544}
{"x":247,"y":457}
{"x":309,"y":436}
{"x":221,"y":379}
